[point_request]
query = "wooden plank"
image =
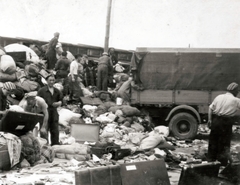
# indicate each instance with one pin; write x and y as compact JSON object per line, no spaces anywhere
{"x":191,"y":97}
{"x":152,"y":97}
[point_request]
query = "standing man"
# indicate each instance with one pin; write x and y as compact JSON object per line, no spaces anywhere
{"x":112,"y":55}
{"x":51,"y":51}
{"x":84,"y":60}
{"x":220,"y":120}
{"x":62,"y":66}
{"x":104,"y":69}
{"x":7,"y":89}
{"x":75,"y":77}
{"x":53,"y":98}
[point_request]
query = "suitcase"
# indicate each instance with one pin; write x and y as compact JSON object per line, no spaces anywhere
{"x":4,"y":156}
{"x":19,"y":123}
{"x":120,"y":153}
{"x":200,"y":174}
{"x":85,"y":132}
{"x":100,"y":151}
{"x":90,"y":101}
{"x":107,"y":175}
{"x":232,"y":172}
{"x":116,"y":151}
{"x":145,"y":173}
{"x":18,"y":56}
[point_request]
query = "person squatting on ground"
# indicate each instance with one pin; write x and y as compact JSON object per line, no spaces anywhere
{"x":75,"y":78}
{"x":53,"y":98}
{"x":51,"y":51}
{"x":104,"y":72}
{"x":221,"y":117}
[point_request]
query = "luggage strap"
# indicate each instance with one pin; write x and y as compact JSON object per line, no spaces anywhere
{"x":111,"y":180}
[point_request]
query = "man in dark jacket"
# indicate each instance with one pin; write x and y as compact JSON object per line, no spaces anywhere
{"x":104,"y":71}
{"x":62,"y":66}
{"x":221,"y":117}
{"x":53,"y":98}
{"x":51,"y":51}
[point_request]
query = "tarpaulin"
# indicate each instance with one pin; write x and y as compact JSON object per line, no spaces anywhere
{"x":187,"y":71}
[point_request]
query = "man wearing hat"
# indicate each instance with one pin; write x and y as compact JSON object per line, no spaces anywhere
{"x":7,"y":89}
{"x":104,"y":71}
{"x":220,"y":120}
{"x":51,"y":51}
{"x":35,"y":104}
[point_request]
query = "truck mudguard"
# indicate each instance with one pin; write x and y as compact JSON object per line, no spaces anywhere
{"x":184,"y":107}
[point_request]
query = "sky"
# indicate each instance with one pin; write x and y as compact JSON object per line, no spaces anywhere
{"x":134,"y":23}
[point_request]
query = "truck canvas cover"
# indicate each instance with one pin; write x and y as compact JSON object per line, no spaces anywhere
{"x":187,"y":70}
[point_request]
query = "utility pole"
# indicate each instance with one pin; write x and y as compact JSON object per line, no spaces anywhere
{"x":107,"y":33}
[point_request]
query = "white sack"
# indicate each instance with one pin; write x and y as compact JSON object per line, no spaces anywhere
{"x":7,"y":64}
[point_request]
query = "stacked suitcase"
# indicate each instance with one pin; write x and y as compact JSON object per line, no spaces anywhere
{"x":138,"y":173}
{"x":151,"y":173}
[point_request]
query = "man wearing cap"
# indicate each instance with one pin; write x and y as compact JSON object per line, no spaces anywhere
{"x":32,"y":73}
{"x":35,"y":104}
{"x":51,"y":51}
{"x":104,"y":70}
{"x":220,"y":120}
{"x":7,"y":89}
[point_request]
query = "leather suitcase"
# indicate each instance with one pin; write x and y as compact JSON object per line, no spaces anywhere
{"x":120,"y":153}
{"x":19,"y":123}
{"x":107,"y":175}
{"x":116,"y":151}
{"x":18,"y":56}
{"x":99,"y":151}
{"x":4,"y":156}
{"x":85,"y":132}
{"x":90,"y":101}
{"x":200,"y":174}
{"x":145,"y":173}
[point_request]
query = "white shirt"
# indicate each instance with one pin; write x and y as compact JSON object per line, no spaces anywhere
{"x":225,"y":105}
{"x":75,"y":68}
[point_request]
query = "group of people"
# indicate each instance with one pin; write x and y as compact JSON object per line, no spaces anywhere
{"x":45,"y":101}
{"x":74,"y":73}
{"x":81,"y":70}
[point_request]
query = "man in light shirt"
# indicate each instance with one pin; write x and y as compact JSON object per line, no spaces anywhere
{"x":221,"y":117}
{"x":75,"y":77}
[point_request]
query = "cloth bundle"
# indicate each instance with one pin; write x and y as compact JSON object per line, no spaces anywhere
{"x":7,"y":64}
{"x":14,"y":145}
{"x":31,"y":148}
{"x":76,"y":151}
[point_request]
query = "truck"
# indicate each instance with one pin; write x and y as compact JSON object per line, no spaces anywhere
{"x":179,"y":84}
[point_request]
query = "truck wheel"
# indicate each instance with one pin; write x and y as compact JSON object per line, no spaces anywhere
{"x":183,"y":126}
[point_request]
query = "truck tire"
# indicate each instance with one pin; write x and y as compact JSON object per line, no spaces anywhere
{"x":183,"y":126}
